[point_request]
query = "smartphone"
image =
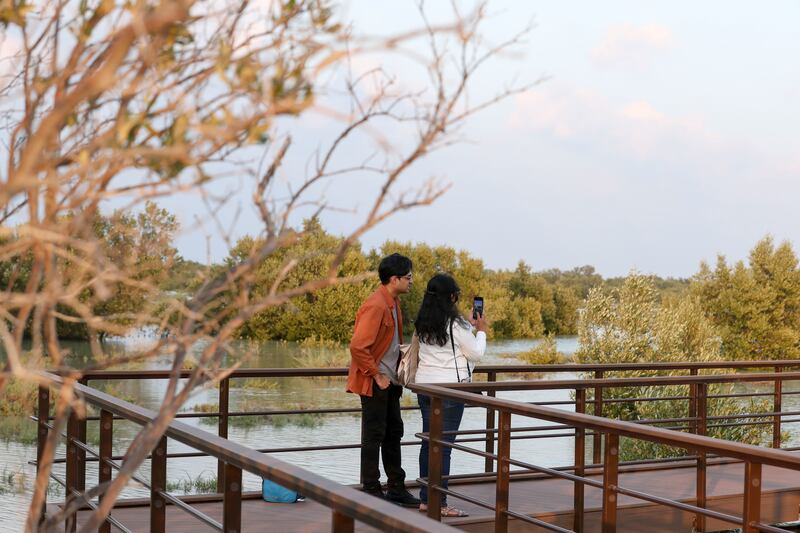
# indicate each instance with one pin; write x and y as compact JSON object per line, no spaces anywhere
{"x":477,"y":307}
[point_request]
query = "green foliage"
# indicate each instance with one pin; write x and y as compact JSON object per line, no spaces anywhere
{"x":580,"y":279}
{"x":199,"y":484}
{"x":17,"y":398}
{"x":12,"y":482}
{"x":138,"y":244}
{"x":326,"y":314}
{"x":756,"y":308}
{"x":17,"y":428}
{"x":184,"y":275}
{"x":545,"y":353}
{"x":509,"y":315}
{"x":632,"y":324}
{"x":558,"y":302}
{"x":14,"y":12}
{"x":322,"y":357}
{"x":520,"y":303}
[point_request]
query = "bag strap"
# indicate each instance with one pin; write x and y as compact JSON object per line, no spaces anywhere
{"x":455,"y":359}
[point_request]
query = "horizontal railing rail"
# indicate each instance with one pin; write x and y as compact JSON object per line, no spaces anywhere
{"x":480,"y":369}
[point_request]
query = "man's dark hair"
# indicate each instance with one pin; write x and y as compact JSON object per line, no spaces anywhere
{"x":393,"y":265}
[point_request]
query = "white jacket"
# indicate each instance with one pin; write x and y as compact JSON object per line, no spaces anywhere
{"x":437,"y":363}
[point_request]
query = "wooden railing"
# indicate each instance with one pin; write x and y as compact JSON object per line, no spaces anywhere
{"x":347,"y":504}
{"x":588,"y":393}
{"x":491,"y":373}
{"x":610,"y":431}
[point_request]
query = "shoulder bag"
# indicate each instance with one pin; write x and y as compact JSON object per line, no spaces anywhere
{"x":409,"y":361}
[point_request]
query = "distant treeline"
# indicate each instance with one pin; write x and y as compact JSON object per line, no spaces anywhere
{"x":752,"y":308}
{"x":520,"y":303}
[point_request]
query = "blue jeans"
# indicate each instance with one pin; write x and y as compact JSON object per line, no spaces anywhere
{"x":451,"y":419}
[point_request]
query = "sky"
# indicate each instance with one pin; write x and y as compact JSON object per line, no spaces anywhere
{"x":664,"y":134}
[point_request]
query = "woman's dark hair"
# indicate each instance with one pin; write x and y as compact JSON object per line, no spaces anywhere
{"x":393,"y":265}
{"x":438,"y":308}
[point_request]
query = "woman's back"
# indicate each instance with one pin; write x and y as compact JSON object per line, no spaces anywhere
{"x":438,"y":364}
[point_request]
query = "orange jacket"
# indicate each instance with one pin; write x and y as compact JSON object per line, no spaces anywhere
{"x":372,"y":336}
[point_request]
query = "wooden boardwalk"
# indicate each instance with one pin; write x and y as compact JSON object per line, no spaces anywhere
{"x":547,"y":499}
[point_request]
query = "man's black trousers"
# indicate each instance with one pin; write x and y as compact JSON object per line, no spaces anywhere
{"x":381,"y":431}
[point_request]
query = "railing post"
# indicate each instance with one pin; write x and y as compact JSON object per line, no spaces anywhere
{"x":106,"y":451}
{"x":73,"y":430}
{"x":342,"y":523}
{"x":580,"y":462}
{"x":503,"y":473}
{"x":777,"y":408}
{"x":701,"y":391}
{"x":43,"y":415}
{"x":435,"y":460}
{"x":610,"y":480}
{"x":232,"y":500}
{"x":158,"y":482}
{"x":693,"y":403}
{"x":597,"y":445}
{"x":224,"y":396}
{"x":491,"y":377}
{"x":80,"y":454}
{"x":752,"y":497}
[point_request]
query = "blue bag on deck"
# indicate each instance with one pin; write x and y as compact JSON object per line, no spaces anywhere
{"x":274,"y":493}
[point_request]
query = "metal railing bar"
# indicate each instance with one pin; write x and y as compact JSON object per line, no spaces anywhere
{"x":466,"y":449}
{"x":536,"y":521}
{"x":679,"y":505}
{"x":771,"y":529}
{"x":95,"y":457}
{"x":110,"y":519}
{"x":482,"y":369}
{"x":506,"y":386}
{"x":754,"y":415}
{"x":754,"y":394}
{"x":460,"y":496}
{"x":416,"y":408}
{"x":190,"y":510}
{"x":644,"y":399}
{"x":559,"y":402}
{"x":494,"y":430}
{"x":557,"y":473}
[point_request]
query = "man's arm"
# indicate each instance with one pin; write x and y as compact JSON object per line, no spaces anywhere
{"x":364,"y":336}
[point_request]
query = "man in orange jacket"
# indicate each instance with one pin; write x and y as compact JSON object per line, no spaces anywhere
{"x":375,"y":354}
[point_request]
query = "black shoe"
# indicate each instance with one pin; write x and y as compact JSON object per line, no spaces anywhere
{"x":376,"y":491}
{"x":402,"y":497}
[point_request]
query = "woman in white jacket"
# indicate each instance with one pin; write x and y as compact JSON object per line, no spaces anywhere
{"x":448,"y":351}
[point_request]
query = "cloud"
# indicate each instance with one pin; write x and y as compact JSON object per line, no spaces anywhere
{"x":631,"y":46}
{"x":635,"y":129}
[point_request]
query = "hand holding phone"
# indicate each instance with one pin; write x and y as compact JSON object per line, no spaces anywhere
{"x":477,"y":307}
